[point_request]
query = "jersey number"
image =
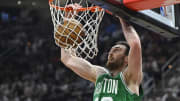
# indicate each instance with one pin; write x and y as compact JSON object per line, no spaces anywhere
{"x":105,"y":99}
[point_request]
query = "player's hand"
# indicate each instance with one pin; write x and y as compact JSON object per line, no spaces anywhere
{"x":74,"y":6}
{"x":123,"y":22}
{"x":73,"y":10}
{"x":127,"y":28}
{"x":120,"y":19}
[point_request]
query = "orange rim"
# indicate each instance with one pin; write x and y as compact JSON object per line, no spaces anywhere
{"x":93,"y":9}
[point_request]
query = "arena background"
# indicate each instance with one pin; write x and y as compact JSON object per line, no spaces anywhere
{"x":30,"y":67}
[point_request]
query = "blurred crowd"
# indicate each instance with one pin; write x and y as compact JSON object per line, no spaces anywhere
{"x":30,"y":67}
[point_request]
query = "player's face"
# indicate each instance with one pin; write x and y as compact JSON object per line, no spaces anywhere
{"x":116,"y":57}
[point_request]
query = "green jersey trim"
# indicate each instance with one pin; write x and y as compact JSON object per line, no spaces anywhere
{"x":122,"y":78}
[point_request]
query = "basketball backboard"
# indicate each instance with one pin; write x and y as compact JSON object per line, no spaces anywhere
{"x":154,"y":19}
{"x":165,"y":15}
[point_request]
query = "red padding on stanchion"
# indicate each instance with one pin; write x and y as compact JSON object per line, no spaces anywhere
{"x":138,"y":5}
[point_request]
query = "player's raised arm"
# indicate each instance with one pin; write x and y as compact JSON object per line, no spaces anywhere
{"x":81,"y":67}
{"x":134,"y":71}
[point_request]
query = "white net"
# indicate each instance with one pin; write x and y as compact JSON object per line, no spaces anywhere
{"x":76,"y":24}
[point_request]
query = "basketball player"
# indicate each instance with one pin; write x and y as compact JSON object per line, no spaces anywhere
{"x":121,"y":78}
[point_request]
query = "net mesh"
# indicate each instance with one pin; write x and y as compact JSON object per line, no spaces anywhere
{"x":76,"y":24}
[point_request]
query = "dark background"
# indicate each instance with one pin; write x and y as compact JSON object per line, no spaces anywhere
{"x":30,"y":67}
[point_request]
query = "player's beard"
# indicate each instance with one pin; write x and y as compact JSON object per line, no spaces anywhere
{"x":113,"y":65}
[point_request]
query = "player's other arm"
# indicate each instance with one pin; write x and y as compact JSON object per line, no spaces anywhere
{"x":81,"y":67}
{"x":134,"y":71}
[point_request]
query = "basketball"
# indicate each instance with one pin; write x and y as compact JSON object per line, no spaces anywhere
{"x":70,"y":33}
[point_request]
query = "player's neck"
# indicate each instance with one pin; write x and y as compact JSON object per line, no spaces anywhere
{"x":117,"y":71}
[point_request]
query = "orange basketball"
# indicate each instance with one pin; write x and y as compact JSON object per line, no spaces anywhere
{"x":70,"y":33}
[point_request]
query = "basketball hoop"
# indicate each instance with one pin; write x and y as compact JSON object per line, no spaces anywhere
{"x":88,"y":15}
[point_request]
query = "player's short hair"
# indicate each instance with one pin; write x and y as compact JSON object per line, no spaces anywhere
{"x":126,"y":45}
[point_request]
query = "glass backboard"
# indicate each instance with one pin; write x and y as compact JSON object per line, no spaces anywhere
{"x":166,"y":24}
{"x":165,"y":15}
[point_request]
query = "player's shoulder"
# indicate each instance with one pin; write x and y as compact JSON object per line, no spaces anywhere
{"x":101,"y":70}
